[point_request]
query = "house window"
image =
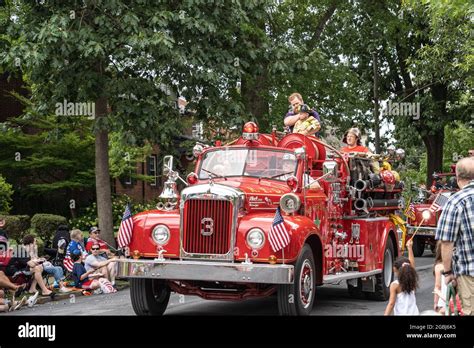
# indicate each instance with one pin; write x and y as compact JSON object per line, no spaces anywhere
{"x":198,"y":130}
{"x":128,"y":179}
{"x":152,"y":169}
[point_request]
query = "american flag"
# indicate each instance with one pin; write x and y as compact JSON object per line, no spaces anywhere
{"x":410,"y":213}
{"x":438,"y":203}
{"x":126,"y":228}
{"x":278,"y":236}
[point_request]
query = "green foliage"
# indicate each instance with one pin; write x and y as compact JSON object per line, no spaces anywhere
{"x":6,"y":192}
{"x":88,"y":217}
{"x":45,"y":225}
{"x":56,"y":156}
{"x":16,"y":226}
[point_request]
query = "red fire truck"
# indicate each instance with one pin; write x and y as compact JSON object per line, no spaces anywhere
{"x":423,"y":220}
{"x":213,"y":238}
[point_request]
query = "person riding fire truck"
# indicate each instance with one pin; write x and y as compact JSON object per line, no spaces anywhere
{"x":258,"y":228}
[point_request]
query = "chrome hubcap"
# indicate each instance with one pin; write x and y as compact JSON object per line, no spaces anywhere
{"x":388,"y":267}
{"x":306,"y":283}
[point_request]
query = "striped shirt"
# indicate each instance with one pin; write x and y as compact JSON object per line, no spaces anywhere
{"x":456,"y":224}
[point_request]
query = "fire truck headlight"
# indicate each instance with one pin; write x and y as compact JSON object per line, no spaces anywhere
{"x":161,"y":234}
{"x":255,"y":238}
{"x":426,"y":214}
{"x":290,"y":203}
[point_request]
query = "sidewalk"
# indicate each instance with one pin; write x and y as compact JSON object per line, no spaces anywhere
{"x":119,"y":284}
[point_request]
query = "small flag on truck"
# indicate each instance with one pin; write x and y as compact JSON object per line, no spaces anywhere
{"x":278,"y":236}
{"x":126,"y":228}
{"x":438,"y":203}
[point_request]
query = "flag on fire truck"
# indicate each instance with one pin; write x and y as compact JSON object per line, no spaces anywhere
{"x":126,"y":227}
{"x":410,"y":211}
{"x":278,"y":236}
{"x":438,"y":203}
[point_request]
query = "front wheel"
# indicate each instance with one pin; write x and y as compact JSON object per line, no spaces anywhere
{"x":298,"y":298}
{"x":149,"y":296}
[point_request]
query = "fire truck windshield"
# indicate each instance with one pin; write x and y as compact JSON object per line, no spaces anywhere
{"x":258,"y":163}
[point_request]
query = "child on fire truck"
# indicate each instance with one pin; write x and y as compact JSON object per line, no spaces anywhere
{"x":402,"y":290}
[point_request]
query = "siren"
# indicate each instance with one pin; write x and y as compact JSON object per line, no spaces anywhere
{"x":250,"y":131}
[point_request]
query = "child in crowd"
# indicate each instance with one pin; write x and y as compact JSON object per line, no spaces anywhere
{"x":402,"y":291}
{"x":82,"y":278}
{"x":440,"y":289}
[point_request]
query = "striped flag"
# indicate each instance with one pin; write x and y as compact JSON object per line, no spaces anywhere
{"x":68,"y":264}
{"x":278,"y":236}
{"x":438,"y":203}
{"x":410,"y":211}
{"x":126,"y":228}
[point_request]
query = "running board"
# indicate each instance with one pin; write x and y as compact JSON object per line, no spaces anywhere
{"x":331,"y":278}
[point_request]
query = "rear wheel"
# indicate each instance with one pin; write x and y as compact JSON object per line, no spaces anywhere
{"x":149,"y":296}
{"x":298,"y":298}
{"x":418,"y":246}
{"x":384,"y":279}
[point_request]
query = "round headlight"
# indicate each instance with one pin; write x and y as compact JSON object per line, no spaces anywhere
{"x":290,"y":203}
{"x":255,"y":238}
{"x":160,"y":234}
{"x":426,"y":214}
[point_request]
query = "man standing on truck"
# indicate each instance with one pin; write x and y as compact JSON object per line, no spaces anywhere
{"x":456,"y":232}
{"x":294,"y":115}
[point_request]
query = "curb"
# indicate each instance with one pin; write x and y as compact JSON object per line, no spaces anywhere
{"x":66,"y":295}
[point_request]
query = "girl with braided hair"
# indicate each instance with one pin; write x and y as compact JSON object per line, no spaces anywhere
{"x":402,"y":291}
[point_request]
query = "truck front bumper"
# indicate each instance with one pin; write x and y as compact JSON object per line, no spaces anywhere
{"x":206,"y":271}
{"x":427,"y":231}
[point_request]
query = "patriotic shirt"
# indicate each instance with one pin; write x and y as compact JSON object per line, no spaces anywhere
{"x":456,"y":224}
{"x":73,"y":245}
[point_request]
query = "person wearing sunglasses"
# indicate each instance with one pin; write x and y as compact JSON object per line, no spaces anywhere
{"x":98,"y":263}
{"x":94,"y":238}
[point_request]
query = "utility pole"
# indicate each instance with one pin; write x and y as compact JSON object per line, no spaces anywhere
{"x":376,"y":104}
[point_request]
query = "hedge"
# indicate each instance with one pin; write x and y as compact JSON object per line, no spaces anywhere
{"x":45,"y":225}
{"x":16,"y":226}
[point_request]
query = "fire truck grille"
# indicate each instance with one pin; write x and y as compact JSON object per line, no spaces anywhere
{"x":207,"y":226}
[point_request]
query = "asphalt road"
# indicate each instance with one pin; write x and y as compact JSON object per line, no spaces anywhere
{"x":330,"y":300}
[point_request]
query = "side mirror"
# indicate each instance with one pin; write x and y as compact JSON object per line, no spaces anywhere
{"x":330,"y":171}
{"x":168,"y":165}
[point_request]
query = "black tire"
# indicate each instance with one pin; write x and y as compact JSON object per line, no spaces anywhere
{"x":418,"y":246}
{"x":384,"y":279}
{"x":356,"y":291}
{"x":291,"y":299}
{"x":149,"y":296}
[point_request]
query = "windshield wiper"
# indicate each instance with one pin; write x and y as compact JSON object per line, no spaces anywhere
{"x":276,"y":176}
{"x":214,"y":174}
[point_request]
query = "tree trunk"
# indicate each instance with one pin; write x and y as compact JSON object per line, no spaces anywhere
{"x":255,"y":103}
{"x":376,"y":104}
{"x":434,"y":144}
{"x":102,"y":175}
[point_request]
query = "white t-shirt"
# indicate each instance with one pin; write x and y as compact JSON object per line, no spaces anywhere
{"x":405,"y":303}
{"x":91,"y":262}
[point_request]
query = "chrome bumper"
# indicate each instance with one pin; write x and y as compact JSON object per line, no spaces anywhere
{"x":422,"y":231}
{"x":206,"y":271}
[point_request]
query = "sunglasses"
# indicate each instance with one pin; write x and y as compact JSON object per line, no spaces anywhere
{"x":95,"y":248}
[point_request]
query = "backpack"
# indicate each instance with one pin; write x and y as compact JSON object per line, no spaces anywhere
{"x":106,"y":286}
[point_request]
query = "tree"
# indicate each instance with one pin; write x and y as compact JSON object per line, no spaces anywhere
{"x":6,"y":193}
{"x":131,"y":62}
